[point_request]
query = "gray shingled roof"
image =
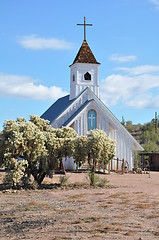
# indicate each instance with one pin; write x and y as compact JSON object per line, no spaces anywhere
{"x":57,"y":108}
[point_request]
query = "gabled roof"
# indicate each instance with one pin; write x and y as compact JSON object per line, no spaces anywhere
{"x":57,"y":108}
{"x":109,"y":114}
{"x":77,"y":112}
{"x":63,"y":103}
{"x":85,"y":55}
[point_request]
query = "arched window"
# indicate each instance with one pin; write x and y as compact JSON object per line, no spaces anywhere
{"x":92,"y":120}
{"x":87,"y":76}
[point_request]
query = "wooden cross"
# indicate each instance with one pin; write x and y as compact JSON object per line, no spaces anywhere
{"x":85,"y":24}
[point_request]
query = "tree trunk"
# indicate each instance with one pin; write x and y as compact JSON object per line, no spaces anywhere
{"x":41,"y":177}
{"x":38,"y":175}
{"x":94,"y":166}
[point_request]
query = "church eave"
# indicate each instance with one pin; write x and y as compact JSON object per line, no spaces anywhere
{"x":83,"y":63}
{"x":114,"y":119}
{"x":57,"y":108}
{"x":71,"y":119}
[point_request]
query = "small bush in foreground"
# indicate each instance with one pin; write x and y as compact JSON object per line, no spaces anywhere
{"x":95,"y":180}
{"x":63,"y":180}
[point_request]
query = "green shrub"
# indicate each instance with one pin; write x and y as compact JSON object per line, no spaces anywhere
{"x":95,"y":180}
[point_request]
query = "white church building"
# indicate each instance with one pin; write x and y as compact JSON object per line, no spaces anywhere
{"x":83,"y":109}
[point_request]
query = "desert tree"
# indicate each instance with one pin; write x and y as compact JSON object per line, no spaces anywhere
{"x":96,"y":146}
{"x":34,"y":148}
{"x":22,"y":143}
{"x":100,"y":147}
{"x":80,"y":152}
{"x":65,"y":140}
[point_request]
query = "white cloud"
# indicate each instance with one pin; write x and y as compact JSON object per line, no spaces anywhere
{"x":145,"y":69}
{"x":37,"y":43}
{"x":140,"y":90}
{"x":25,"y":87}
{"x":156,"y":3}
{"x":118,"y":58}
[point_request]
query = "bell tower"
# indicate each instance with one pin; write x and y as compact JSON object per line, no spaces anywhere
{"x":84,"y":71}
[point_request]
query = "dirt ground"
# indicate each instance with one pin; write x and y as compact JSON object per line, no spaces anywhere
{"x":128,"y":208}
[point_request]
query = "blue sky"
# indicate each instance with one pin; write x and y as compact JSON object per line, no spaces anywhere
{"x":39,"y":39}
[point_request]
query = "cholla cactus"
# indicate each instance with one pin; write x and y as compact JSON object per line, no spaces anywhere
{"x":65,"y":137}
{"x":15,"y":172}
{"x":80,"y":149}
{"x":22,"y":139}
{"x":100,"y":146}
{"x":38,"y":143}
{"x":96,"y":145}
{"x":41,"y":147}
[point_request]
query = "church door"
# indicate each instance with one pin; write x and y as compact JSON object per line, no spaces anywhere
{"x":91,"y":120}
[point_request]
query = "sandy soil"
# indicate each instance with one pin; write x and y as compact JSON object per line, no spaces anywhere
{"x":128,"y":208}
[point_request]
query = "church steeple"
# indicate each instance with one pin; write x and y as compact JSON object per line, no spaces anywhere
{"x":84,"y":71}
{"x":85,"y":54}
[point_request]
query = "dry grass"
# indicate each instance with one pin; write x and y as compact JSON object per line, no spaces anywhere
{"x":77,"y":221}
{"x":60,"y":238}
{"x":137,"y":192}
{"x":32,"y":206}
{"x":82,"y":201}
{"x":100,"y":201}
{"x":63,"y":210}
{"x":37,"y":204}
{"x":121,"y":216}
{"x":76,"y":196}
{"x":103,"y":206}
{"x":7,"y":216}
{"x":153,"y":216}
{"x":24,"y":209}
{"x":109,"y":202}
{"x":117,"y":223}
{"x":116,"y":195}
{"x":129,"y":233}
{"x":107,"y":228}
{"x":98,"y":194}
{"x":125,"y":201}
{"x":118,"y":229}
{"x":9,"y":203}
{"x":143,"y":205}
{"x":90,"y":219}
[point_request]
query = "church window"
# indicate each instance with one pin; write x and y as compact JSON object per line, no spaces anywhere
{"x":73,"y":77}
{"x":91,"y":120}
{"x":87,"y":76}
